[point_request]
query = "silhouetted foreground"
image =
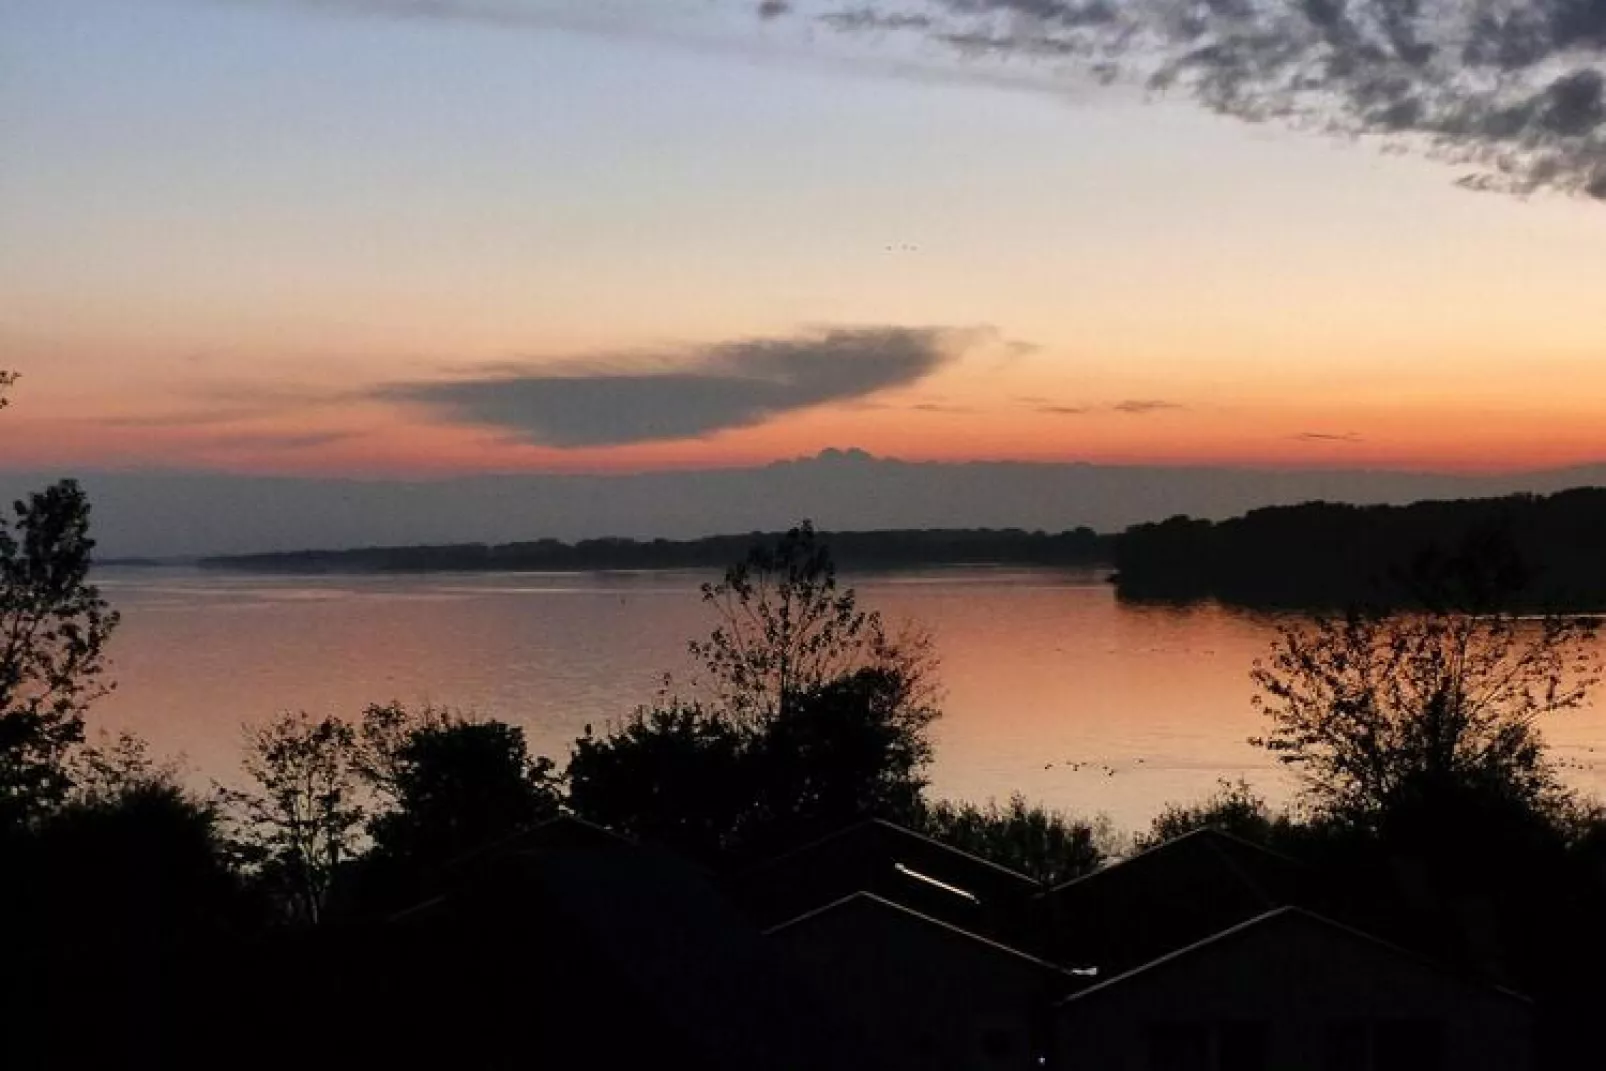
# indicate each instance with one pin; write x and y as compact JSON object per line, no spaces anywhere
{"x":750,"y":875}
{"x":1548,"y":549}
{"x":850,"y":550}
{"x":569,"y":946}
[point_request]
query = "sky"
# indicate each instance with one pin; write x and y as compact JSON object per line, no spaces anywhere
{"x":410,"y":239}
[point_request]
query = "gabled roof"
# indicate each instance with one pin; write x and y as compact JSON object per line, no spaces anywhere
{"x":1168,"y":897}
{"x":870,"y":904}
{"x":646,"y":934}
{"x":1276,"y":918}
{"x":1259,"y":871}
{"x":565,"y":832}
{"x":893,"y":835}
{"x":895,"y":863}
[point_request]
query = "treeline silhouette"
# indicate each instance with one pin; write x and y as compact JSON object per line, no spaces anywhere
{"x":1541,"y":552}
{"x":893,"y":549}
{"x":1536,"y":551}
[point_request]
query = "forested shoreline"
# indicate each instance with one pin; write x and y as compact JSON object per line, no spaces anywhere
{"x":1541,"y":552}
{"x":852,"y":551}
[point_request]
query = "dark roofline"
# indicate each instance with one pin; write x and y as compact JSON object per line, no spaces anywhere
{"x":904,"y":831}
{"x":946,"y":927}
{"x":1202,"y":832}
{"x":1278,"y":914}
{"x":510,"y":841}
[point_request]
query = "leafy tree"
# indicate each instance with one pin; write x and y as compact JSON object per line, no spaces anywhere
{"x":114,"y":766}
{"x":786,"y":627}
{"x":1234,"y":808}
{"x":1373,"y":708}
{"x":304,"y":819}
{"x":850,"y":748}
{"x":449,"y":784}
{"x":816,"y":716}
{"x":1044,"y":844}
{"x":676,"y":774}
{"x":53,"y":631}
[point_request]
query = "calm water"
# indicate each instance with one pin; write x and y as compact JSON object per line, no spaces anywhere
{"x":1042,"y":670}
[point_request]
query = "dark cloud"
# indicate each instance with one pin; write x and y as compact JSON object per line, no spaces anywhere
{"x":1062,"y":410}
{"x":774,"y":9}
{"x":736,"y":384}
{"x":1514,"y":88}
{"x":1143,"y":406}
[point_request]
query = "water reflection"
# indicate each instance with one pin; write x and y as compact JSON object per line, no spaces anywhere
{"x":1053,"y":688}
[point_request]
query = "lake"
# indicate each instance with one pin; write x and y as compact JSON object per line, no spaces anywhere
{"x":1053,"y":687}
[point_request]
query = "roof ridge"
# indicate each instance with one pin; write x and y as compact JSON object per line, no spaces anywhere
{"x":1294,"y":911}
{"x":1201,"y":833}
{"x":898,"y":828}
{"x":865,"y":896}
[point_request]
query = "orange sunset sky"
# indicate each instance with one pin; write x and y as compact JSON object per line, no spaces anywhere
{"x":265,"y":238}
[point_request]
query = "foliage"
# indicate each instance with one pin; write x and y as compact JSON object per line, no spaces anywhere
{"x":674,"y":775}
{"x":1371,"y":707}
{"x":448,"y":784}
{"x":304,"y":819}
{"x":786,"y":627}
{"x":699,"y":780}
{"x":1234,"y":808}
{"x":53,"y":630}
{"x":1044,"y":844}
{"x":158,"y":845}
{"x":114,"y":766}
{"x":850,"y":748}
{"x":1331,"y":555}
{"x":817,"y":717}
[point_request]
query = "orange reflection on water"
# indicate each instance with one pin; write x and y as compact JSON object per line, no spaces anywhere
{"x":1053,"y":688}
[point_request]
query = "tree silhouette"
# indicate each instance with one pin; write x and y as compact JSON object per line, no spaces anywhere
{"x":786,"y":627}
{"x":1235,"y":807}
{"x":850,"y":748}
{"x":1370,"y":708}
{"x":449,"y":784}
{"x":54,"y":626}
{"x":675,"y":775}
{"x":1028,"y":838}
{"x":816,"y":716}
{"x":304,"y":818}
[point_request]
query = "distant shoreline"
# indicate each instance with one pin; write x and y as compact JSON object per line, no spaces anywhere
{"x":1547,"y":552}
{"x":852,"y":552}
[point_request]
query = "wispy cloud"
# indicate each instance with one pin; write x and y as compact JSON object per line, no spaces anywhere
{"x":271,"y":440}
{"x":634,"y":398}
{"x":220,"y":404}
{"x":1328,"y":437}
{"x":1143,"y":406}
{"x":1514,"y":88}
{"x":940,"y":407}
{"x":1132,"y":407}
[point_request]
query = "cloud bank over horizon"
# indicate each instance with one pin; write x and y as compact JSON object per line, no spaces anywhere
{"x":178,"y":514}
